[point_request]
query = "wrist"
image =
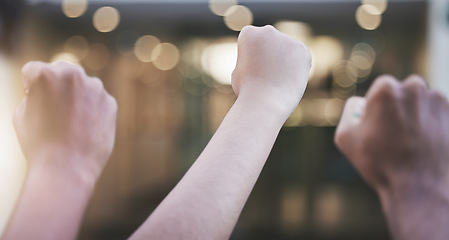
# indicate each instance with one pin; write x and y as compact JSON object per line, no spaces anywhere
{"x":259,"y":101}
{"x":65,"y":165}
{"x":415,"y":189}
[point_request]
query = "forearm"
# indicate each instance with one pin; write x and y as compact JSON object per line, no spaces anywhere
{"x":51,"y":206}
{"x":208,"y":200}
{"x":417,"y":209}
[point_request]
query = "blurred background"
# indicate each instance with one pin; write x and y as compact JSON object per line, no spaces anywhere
{"x":168,"y":64}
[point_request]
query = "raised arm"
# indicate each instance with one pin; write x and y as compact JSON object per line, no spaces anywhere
{"x":270,"y":79}
{"x":397,"y":137}
{"x":66,"y":128}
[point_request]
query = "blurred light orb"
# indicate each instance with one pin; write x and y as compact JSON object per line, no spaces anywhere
{"x":366,"y":17}
{"x":144,"y":46}
{"x":326,"y":51}
{"x":74,"y":8}
{"x":98,"y":57}
{"x":237,"y":17}
{"x":78,"y":46}
{"x":345,"y":74}
{"x":125,"y":42}
{"x":363,"y":57}
{"x":106,"y":19}
{"x":362,"y":60}
{"x":219,"y":61}
{"x":366,"y":48}
{"x":166,"y":56}
{"x":65,"y":57}
{"x":219,"y":7}
{"x":379,"y":6}
{"x":333,"y":110}
{"x":297,"y":30}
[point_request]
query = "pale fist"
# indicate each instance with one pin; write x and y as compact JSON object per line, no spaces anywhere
{"x":398,"y":134}
{"x":272,"y":68}
{"x":65,"y":111}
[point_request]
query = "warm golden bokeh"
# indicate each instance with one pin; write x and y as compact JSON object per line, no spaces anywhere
{"x":144,"y":46}
{"x":367,"y":17}
{"x":237,"y":17}
{"x":219,"y":7}
{"x":74,"y":8}
{"x":106,"y":19}
{"x":165,"y":55}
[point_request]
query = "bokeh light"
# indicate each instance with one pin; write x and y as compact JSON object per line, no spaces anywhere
{"x":237,"y":17}
{"x":65,"y":57}
{"x":367,"y":17}
{"x":219,"y":7}
{"x":329,"y":208}
{"x":166,"y":56}
{"x":295,"y":29}
{"x":333,"y":109}
{"x":74,"y":8}
{"x":144,"y":47}
{"x":106,"y":19}
{"x":219,"y":60}
{"x":78,"y":46}
{"x":293,"y":208}
{"x":363,"y":57}
{"x":379,"y":6}
{"x":326,"y":51}
{"x":345,"y":74}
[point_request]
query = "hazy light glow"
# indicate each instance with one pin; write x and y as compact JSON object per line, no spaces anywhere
{"x":329,"y":208}
{"x":106,"y":19}
{"x":293,"y":208}
{"x":237,"y":17}
{"x":77,"y":46}
{"x":326,"y":51}
{"x":379,"y":6}
{"x":131,"y":67}
{"x":333,"y":109}
{"x":65,"y":57}
{"x":144,"y":47}
{"x":363,"y":57}
{"x":345,"y":74}
{"x":98,"y":57}
{"x":166,"y":56}
{"x":219,"y":60}
{"x":12,"y":163}
{"x":366,"y":17}
{"x":74,"y":8}
{"x":219,"y":7}
{"x":298,"y":30}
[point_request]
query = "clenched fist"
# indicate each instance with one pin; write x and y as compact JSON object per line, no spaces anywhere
{"x":272,"y":68}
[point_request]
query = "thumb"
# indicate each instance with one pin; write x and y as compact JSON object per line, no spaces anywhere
{"x":350,"y":119}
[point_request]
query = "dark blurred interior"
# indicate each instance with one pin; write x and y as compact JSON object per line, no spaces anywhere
{"x":307,"y":190}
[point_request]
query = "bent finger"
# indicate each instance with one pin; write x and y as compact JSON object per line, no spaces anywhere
{"x":350,"y":119}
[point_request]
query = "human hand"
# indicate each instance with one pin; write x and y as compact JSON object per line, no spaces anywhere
{"x":272,"y":68}
{"x":401,"y":136}
{"x":66,"y":121}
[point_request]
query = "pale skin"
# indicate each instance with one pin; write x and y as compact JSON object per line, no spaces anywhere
{"x":66,"y":128}
{"x":397,"y":138}
{"x":269,"y":80}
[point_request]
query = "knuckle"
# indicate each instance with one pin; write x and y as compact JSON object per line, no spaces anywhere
{"x":43,"y":73}
{"x":414,"y":85}
{"x":387,"y":87}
